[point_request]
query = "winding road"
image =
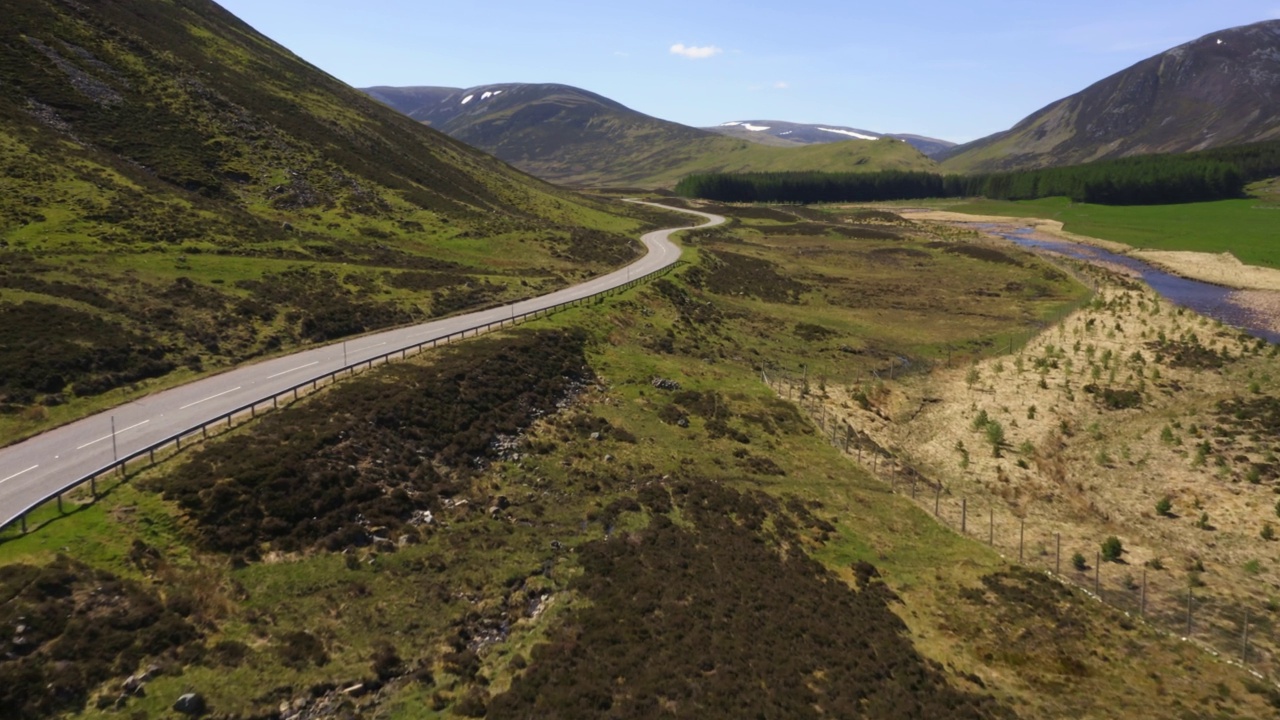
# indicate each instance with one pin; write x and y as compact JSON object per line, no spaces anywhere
{"x":59,"y":459}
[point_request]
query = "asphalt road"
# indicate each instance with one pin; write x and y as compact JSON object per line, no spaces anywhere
{"x":34,"y":468}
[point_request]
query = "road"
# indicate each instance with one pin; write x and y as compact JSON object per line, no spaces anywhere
{"x":58,"y":459}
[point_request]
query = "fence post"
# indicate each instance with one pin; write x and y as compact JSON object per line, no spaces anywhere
{"x":24,"y":523}
{"x":1057,"y":562}
{"x":93,"y":488}
{"x":937,"y":498}
{"x":991,"y":526}
{"x":964,"y":514}
{"x":1022,"y":533}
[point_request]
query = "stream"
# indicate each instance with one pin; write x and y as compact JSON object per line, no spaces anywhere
{"x":1210,"y":300}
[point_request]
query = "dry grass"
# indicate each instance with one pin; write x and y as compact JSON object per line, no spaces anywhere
{"x":1077,"y":467}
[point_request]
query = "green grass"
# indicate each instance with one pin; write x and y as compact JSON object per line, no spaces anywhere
{"x":469,"y":568}
{"x":1245,"y":228}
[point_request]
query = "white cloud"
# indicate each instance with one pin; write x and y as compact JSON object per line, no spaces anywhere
{"x":780,"y":85}
{"x":695,"y":53}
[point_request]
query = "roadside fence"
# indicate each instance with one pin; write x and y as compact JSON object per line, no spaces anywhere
{"x":119,"y":470}
{"x":1174,"y":600}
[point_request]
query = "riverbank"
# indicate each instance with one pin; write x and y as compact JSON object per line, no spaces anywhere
{"x":1257,"y":288}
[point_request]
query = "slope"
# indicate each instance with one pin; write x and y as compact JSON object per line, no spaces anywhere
{"x":780,"y":132}
{"x":180,"y":194}
{"x":572,"y":136}
{"x":1222,"y":89}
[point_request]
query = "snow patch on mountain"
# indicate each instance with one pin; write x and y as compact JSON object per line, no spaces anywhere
{"x":850,"y":133}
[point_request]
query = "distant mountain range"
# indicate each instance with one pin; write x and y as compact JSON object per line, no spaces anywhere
{"x":780,"y":132}
{"x":1222,"y":89}
{"x":573,"y":136}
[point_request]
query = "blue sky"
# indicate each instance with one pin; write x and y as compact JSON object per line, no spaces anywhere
{"x":953,"y":70}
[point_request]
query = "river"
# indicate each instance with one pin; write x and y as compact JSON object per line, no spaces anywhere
{"x":1205,"y":298}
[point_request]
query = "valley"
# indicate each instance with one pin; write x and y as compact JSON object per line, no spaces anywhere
{"x":437,"y":402}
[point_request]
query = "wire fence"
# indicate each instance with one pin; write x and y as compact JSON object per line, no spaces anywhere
{"x":51,"y":506}
{"x":1237,"y":629}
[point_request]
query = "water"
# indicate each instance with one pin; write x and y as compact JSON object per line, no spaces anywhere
{"x":1205,"y":298}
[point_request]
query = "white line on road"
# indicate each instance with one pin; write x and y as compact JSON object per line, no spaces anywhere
{"x":33,"y":467}
{"x":286,"y":372}
{"x":369,"y":347}
{"x":224,"y":392}
{"x":108,"y":437}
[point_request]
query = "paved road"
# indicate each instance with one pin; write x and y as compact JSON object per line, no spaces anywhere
{"x":32,"y":469}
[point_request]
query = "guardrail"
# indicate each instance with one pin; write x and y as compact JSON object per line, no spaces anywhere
{"x":148,"y":454}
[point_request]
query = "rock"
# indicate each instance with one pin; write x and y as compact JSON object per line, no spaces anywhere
{"x":132,"y":684}
{"x":608,"y":458}
{"x":595,"y":436}
{"x":191,"y":704}
{"x":664,"y":384}
{"x":683,"y":422}
{"x":495,"y":511}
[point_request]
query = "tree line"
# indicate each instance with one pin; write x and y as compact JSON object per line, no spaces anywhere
{"x":1143,"y":180}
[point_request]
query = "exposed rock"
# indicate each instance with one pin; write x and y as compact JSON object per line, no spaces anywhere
{"x":191,"y":704}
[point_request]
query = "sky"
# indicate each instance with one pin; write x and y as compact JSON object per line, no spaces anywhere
{"x":951,"y":70}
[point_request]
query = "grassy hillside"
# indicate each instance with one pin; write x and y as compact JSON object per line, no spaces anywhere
{"x":731,"y":155}
{"x":1245,"y":228}
{"x":181,"y":194}
{"x":603,"y":514}
{"x":1216,"y":91}
{"x":574,"y":137}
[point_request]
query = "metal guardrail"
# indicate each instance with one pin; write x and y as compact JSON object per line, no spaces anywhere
{"x":121,"y":466}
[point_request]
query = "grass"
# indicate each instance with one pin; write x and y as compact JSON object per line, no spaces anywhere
{"x":1244,"y":228}
{"x":481,"y":602}
{"x":172,"y":238}
{"x":579,"y":140}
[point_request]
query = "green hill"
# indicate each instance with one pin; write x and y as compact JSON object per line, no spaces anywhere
{"x":1221,"y":89}
{"x":179,"y":193}
{"x":574,"y":137}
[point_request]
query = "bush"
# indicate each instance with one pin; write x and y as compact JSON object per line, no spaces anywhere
{"x":1268,"y":532}
{"x":1164,"y":506}
{"x":1078,"y":562}
{"x":1112,"y":549}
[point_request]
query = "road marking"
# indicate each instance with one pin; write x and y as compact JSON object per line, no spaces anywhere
{"x":286,"y":372}
{"x":224,"y":392}
{"x":108,"y":437}
{"x":33,"y":467}
{"x":369,"y":347}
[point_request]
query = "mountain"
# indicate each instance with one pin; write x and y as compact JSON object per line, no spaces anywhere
{"x":180,"y":193}
{"x":572,"y":136}
{"x":1222,"y":89}
{"x":779,"y":132}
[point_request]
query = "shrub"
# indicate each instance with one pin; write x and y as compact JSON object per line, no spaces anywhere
{"x":1112,"y":549}
{"x":1078,"y":562}
{"x":1268,"y":532}
{"x":995,"y":436}
{"x":1164,"y":506}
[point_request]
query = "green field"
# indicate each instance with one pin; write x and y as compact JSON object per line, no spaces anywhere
{"x":1245,"y":228}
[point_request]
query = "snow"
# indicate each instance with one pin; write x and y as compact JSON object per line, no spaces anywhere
{"x":850,"y":133}
{"x":755,"y":128}
{"x":486,"y":96}
{"x":497,"y":93}
{"x":785,"y":133}
{"x":730,"y":124}
{"x":467,"y":99}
